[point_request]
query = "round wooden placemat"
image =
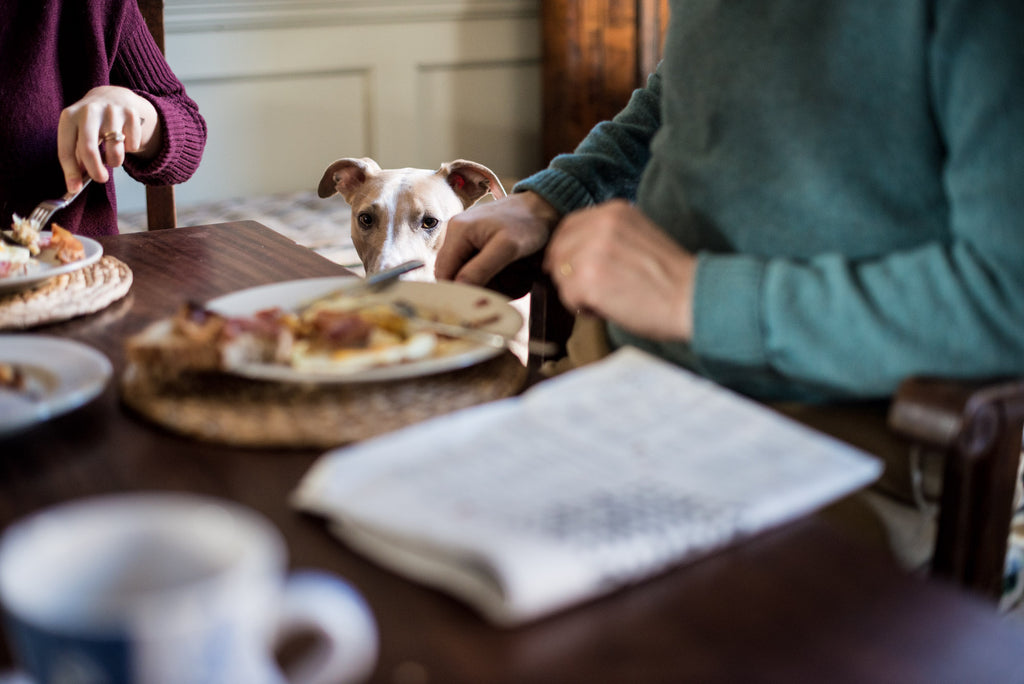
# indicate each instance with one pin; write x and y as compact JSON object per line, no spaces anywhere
{"x":228,"y":409}
{"x":83,"y":291}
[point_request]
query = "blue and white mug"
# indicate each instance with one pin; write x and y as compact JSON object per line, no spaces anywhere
{"x":171,"y":589}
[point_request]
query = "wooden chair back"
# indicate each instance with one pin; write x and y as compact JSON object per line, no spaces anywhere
{"x":160,"y":209}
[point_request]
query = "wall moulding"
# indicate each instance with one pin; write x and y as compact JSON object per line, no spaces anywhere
{"x":189,"y":16}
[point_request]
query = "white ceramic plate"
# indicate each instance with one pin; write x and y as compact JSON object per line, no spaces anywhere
{"x":61,"y":375}
{"x":45,"y":271}
{"x":467,"y":303}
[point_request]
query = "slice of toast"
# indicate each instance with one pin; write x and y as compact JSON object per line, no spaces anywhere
{"x":196,"y":340}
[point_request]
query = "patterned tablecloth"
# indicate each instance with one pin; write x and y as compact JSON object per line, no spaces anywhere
{"x":320,"y":224}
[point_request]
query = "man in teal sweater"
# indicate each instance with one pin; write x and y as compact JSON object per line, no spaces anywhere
{"x":816,"y":199}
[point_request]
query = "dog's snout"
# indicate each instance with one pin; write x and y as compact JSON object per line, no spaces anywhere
{"x":423,"y":274}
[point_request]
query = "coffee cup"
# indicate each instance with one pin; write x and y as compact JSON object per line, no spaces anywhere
{"x":161,"y":588}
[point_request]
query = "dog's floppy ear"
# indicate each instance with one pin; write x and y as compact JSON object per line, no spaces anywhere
{"x":470,"y":181}
{"x":345,"y":175}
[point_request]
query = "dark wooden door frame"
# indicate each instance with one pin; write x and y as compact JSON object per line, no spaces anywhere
{"x":596,"y":52}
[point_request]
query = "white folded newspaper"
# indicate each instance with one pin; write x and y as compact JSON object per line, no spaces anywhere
{"x":587,"y":482}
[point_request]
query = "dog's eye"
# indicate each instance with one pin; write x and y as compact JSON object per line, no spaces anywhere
{"x":366,"y":219}
{"x":429,"y":223}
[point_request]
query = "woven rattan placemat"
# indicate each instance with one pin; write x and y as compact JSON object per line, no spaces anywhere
{"x":83,"y":291}
{"x":252,"y":413}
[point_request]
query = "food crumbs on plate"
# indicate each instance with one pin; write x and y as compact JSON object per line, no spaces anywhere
{"x":11,"y":377}
{"x":59,"y":247}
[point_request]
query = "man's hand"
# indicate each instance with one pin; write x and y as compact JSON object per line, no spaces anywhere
{"x":611,"y":260}
{"x":483,"y":240}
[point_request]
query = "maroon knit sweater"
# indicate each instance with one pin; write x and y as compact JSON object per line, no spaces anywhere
{"x":51,"y":53}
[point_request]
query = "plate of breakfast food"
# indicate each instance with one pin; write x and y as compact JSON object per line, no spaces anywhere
{"x":321,"y":330}
{"x":29,"y":258}
{"x":42,"y":377}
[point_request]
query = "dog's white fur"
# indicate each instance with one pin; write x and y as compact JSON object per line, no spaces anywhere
{"x":402,"y":214}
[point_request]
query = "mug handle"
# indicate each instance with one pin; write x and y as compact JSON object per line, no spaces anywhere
{"x":342,"y":623}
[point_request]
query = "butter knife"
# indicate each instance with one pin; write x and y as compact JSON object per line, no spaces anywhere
{"x":374,"y":282}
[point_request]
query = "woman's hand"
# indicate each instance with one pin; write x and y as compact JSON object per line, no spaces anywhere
{"x":109,"y":116}
{"x":482,"y":241}
{"x":611,"y":260}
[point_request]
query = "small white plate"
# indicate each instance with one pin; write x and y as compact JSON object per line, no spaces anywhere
{"x":62,"y":375}
{"x":45,"y":271}
{"x":465,"y":302}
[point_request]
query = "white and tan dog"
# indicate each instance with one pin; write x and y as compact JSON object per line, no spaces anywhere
{"x":402,"y":214}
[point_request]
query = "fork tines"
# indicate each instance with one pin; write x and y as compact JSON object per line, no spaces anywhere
{"x":45,"y":209}
{"x":42,"y":213}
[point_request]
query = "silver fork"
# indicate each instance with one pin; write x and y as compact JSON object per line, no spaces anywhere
{"x":45,"y":209}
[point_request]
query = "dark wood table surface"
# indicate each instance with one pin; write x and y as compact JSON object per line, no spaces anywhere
{"x":804,"y":603}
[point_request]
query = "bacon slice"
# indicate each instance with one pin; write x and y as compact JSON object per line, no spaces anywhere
{"x":68,"y":247}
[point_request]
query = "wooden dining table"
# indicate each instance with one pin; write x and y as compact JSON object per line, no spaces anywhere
{"x":806,"y":602}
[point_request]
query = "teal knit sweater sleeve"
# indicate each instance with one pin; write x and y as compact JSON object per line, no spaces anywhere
{"x":608,"y":163}
{"x":943,"y":294}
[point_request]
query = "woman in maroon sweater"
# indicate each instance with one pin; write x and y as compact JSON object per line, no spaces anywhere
{"x":72,"y":72}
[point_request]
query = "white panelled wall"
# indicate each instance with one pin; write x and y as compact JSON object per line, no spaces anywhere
{"x":288,"y":86}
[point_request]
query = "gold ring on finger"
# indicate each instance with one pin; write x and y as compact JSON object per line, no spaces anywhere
{"x":112,"y":136}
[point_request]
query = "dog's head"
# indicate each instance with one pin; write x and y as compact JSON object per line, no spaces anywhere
{"x":402,"y":214}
